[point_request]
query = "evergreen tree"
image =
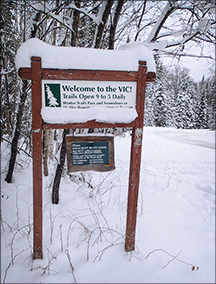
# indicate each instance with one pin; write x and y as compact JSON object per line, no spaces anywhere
{"x":160,"y":106}
{"x":148,"y":110}
{"x":202,"y":106}
{"x":211,"y":102}
{"x":157,"y":101}
{"x":182,"y":92}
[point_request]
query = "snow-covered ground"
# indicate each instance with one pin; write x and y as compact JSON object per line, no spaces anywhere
{"x":175,"y":232}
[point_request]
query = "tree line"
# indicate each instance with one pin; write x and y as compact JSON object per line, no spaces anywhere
{"x":176,"y":100}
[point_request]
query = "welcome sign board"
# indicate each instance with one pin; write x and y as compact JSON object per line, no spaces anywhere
{"x":86,"y":94}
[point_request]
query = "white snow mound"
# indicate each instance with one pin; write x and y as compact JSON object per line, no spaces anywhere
{"x":60,"y":57}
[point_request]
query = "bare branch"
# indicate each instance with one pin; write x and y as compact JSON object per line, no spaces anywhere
{"x":71,"y":265}
{"x":186,"y":55}
{"x":173,"y":258}
{"x":140,"y":20}
{"x":17,"y":147}
{"x":168,"y":10}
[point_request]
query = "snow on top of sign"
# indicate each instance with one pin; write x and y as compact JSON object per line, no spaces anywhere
{"x":100,"y":114}
{"x":60,"y":57}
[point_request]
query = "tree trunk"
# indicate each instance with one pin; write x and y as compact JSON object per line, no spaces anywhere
{"x":114,"y":24}
{"x":14,"y":143}
{"x":75,"y":26}
{"x":48,"y":139}
{"x":60,"y":166}
{"x":103,"y":23}
{"x":140,"y":20}
{"x":35,"y":26}
{"x":48,"y":134}
{"x":7,"y":109}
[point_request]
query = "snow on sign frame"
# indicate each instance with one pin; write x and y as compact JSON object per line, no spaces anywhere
{"x":36,"y":73}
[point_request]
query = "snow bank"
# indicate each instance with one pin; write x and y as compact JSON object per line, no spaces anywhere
{"x":100,"y":114}
{"x":175,"y":215}
{"x":60,"y":57}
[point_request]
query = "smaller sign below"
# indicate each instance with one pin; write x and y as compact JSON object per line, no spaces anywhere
{"x":92,"y":152}
{"x":85,"y":153}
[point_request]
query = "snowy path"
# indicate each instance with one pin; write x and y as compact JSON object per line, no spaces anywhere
{"x":185,"y":138}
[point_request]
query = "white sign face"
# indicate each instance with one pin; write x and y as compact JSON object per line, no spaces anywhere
{"x":86,"y":94}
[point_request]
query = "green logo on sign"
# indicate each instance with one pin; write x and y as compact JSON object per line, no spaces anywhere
{"x":52,"y":95}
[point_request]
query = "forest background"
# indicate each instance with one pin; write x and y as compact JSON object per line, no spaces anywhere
{"x":170,"y":29}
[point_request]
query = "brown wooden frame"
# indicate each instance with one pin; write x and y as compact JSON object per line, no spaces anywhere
{"x":36,"y":73}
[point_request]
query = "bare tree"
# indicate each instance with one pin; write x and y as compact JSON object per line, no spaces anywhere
{"x":114,"y":23}
{"x":14,"y":144}
{"x":104,"y":12}
{"x":171,"y":27}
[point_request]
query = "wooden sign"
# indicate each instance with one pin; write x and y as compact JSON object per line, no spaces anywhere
{"x":90,"y":153}
{"x":130,"y":81}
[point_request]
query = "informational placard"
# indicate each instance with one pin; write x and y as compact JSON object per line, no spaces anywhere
{"x":90,"y":153}
{"x":86,"y":94}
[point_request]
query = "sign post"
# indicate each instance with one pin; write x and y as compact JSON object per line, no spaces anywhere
{"x":37,"y":157}
{"x":135,"y":160}
{"x":98,"y":153}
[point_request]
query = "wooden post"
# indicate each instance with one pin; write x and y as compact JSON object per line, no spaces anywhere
{"x":37,"y":156}
{"x":136,"y":148}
